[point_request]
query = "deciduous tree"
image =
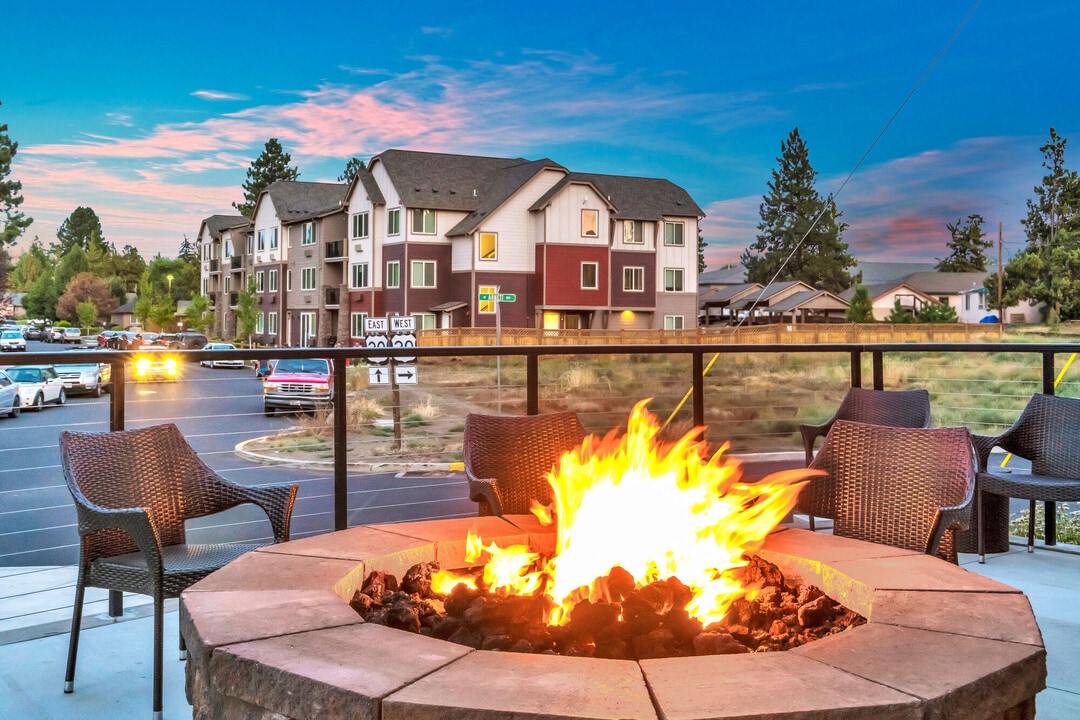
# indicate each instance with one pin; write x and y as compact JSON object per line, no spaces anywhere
{"x":86,"y":287}
{"x":14,"y":221}
{"x":967,"y":246}
{"x":247,"y":313}
{"x":88,"y":314}
{"x":198,"y":315}
{"x":271,"y":165}
{"x":801,"y":235}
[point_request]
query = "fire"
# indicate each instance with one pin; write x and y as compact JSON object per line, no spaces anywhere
{"x":654,"y":510}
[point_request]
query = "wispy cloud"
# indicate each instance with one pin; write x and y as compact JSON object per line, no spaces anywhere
{"x":218,"y":95}
{"x":443,"y":32}
{"x":119,"y":118}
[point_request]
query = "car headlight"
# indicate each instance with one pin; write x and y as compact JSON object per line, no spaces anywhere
{"x":170,"y":366}
{"x":142,"y":366}
{"x":270,"y":387}
{"x":321,"y":389}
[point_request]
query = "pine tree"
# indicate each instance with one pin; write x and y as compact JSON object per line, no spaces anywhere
{"x":80,"y":229}
{"x":13,"y":220}
{"x":352,"y":167}
{"x":271,"y":165}
{"x":186,"y":250}
{"x":967,"y":247}
{"x":900,"y":315}
{"x":937,"y":313}
{"x":818,"y":255}
{"x":861,"y":308}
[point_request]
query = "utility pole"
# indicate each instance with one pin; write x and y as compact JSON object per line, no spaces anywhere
{"x":1001,"y":310}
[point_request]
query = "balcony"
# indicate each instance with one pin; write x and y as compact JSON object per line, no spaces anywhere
{"x":234,"y":299}
{"x":215,"y":266}
{"x":236,"y":263}
{"x":331,"y":296}
{"x":335,"y":251}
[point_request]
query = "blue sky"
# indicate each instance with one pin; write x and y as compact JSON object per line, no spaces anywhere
{"x":152,"y":114}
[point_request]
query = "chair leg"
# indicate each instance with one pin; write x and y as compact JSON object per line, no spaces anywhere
{"x":979,"y":526}
{"x":810,"y":518}
{"x":183,"y":646}
{"x":159,"y":611}
{"x":76,"y":622}
{"x":1031,"y":527}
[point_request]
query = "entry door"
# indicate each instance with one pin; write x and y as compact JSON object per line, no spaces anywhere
{"x":307,"y":329}
{"x":551,"y":321}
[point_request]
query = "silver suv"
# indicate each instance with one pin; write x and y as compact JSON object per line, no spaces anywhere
{"x":11,"y":340}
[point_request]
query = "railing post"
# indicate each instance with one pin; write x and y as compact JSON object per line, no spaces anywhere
{"x":118,"y":368}
{"x":856,"y":368}
{"x":532,"y":384}
{"x":341,"y":450}
{"x":879,"y":370}
{"x":699,"y":389}
{"x":1048,"y":373}
{"x":1048,"y":389}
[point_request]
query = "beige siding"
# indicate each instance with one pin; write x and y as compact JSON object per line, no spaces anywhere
{"x":511,"y":222}
{"x":564,"y":216}
{"x":684,"y":257}
{"x":266,"y":220}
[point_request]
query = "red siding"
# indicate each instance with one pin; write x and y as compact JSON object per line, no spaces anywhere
{"x":622,"y":299}
{"x":563,"y":278}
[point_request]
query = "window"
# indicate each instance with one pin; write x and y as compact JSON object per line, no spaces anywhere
{"x":227,"y":283}
{"x":228,"y":248}
{"x":307,"y":236}
{"x":423,"y":273}
{"x":633,"y":232}
{"x":673,"y":234}
{"x":423,"y":222}
{"x":307,"y":279}
{"x":487,"y":307}
{"x":673,"y":322}
{"x":260,"y":285}
{"x":489,"y":246}
{"x":250,"y":246}
{"x":356,"y":324}
{"x":967,"y":301}
{"x":393,"y":221}
{"x":393,"y":274}
{"x":590,"y":223}
{"x":271,"y":323}
{"x":273,"y":238}
{"x":359,"y":277}
{"x":206,"y":285}
{"x":288,"y":280}
{"x":262,"y":240}
{"x":360,"y":225}
{"x":633,"y":279}
{"x":272,"y":281}
{"x":259,"y":330}
{"x":424,"y":321}
{"x":589,"y":276}
{"x":673,"y":279}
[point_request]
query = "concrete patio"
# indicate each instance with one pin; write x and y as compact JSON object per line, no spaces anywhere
{"x":113,"y":679}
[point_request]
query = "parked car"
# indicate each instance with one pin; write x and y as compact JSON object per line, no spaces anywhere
{"x":92,"y":378}
{"x":154,"y":362}
{"x":38,"y":385}
{"x":10,"y":403}
{"x":230,"y":363}
{"x":53,"y":334}
{"x":188,"y":341}
{"x":298,"y":384}
{"x":33,"y":332}
{"x":72,"y":335}
{"x":12,"y":341}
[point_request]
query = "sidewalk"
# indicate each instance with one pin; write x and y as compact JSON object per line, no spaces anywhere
{"x":113,"y":678}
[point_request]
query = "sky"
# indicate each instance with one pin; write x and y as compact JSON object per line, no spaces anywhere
{"x":152,"y":113}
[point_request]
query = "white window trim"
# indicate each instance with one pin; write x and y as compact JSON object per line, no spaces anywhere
{"x":259,"y":327}
{"x":260,"y":281}
{"x":397,"y":265}
{"x":288,"y":280}
{"x":596,"y":275}
{"x":261,"y":235}
{"x":364,"y":218}
{"x":306,"y":273}
{"x":393,"y":213}
{"x":422,"y":213}
{"x":272,"y":281}
{"x":273,"y":239}
{"x":681,"y":240}
{"x":640,"y":271}
{"x":271,"y":323}
{"x":594,"y":213}
{"x":485,"y":307}
{"x":356,"y":324}
{"x":480,"y":247}
{"x":673,"y":318}
{"x":634,"y":224}
{"x":425,"y":264}
{"x":352,"y":276}
{"x":676,"y":272}
{"x":307,"y":238}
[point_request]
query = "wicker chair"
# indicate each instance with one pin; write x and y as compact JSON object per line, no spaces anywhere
{"x":1047,"y":433}
{"x":905,"y":487}
{"x":133,"y":490}
{"x":895,"y":408}
{"x":506,"y":457}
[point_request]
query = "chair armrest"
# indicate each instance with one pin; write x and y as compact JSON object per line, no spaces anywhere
{"x":957,"y":518}
{"x":983,"y":445}
{"x":810,"y":433}
{"x":483,"y":490}
{"x":275,"y":500}
{"x":136,"y":522}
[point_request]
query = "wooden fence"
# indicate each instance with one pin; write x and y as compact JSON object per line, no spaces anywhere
{"x":752,"y":334}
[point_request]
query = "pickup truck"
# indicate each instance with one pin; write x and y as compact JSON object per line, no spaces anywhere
{"x":294,"y":384}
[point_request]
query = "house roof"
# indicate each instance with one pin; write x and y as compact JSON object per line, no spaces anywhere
{"x":724,"y":276}
{"x":441,"y":181}
{"x":877,"y":273}
{"x":876,"y":292}
{"x":718,"y":294}
{"x":498,"y":188}
{"x":218,"y":223}
{"x":805,"y":299}
{"x":632,"y":198}
{"x":294,"y":200}
{"x":945,"y":283}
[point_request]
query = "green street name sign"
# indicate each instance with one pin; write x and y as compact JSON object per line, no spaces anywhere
{"x":487,"y":296}
{"x":507,"y":297}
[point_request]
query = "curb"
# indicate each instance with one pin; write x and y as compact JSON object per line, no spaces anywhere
{"x":363,"y":466}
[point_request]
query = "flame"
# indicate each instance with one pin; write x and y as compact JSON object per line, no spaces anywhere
{"x":655,"y":510}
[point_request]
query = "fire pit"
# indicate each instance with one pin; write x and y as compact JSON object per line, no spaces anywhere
{"x":272,"y":633}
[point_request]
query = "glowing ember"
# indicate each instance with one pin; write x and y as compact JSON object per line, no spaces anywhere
{"x":655,"y":510}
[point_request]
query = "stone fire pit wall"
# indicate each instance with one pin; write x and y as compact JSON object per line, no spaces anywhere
{"x":271,"y":636}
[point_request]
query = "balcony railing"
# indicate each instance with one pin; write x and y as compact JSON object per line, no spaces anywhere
{"x":215,"y":265}
{"x":335,"y":250}
{"x":332,"y":296}
{"x":236,"y":262}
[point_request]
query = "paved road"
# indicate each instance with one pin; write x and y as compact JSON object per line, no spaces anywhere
{"x":215,"y":409}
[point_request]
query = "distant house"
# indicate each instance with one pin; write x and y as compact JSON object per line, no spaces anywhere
{"x":964,"y":292}
{"x":793,"y":301}
{"x":884,"y":297}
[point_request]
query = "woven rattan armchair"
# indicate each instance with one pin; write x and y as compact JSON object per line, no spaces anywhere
{"x":905,"y":487}
{"x":895,"y":408}
{"x":133,"y":490}
{"x":506,"y":457}
{"x":1047,"y":433}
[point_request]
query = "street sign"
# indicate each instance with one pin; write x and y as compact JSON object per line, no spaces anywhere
{"x":377,"y":341}
{"x":402,"y":324}
{"x":405,"y":374}
{"x":378,"y":376}
{"x":404,"y":340}
{"x":487,"y":296}
{"x":507,"y":297}
{"x":376,"y":325}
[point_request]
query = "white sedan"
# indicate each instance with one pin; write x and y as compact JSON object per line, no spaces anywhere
{"x":230,"y":363}
{"x":38,"y":384}
{"x":10,"y":403}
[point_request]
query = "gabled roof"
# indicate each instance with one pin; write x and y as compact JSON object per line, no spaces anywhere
{"x":632,"y":198}
{"x":724,"y":276}
{"x":218,"y":223}
{"x":441,"y":181}
{"x":877,"y":273}
{"x":294,"y":200}
{"x":498,"y":188}
{"x":946,"y":283}
{"x":876,"y":292}
{"x":808,"y":299}
{"x":725,"y":293}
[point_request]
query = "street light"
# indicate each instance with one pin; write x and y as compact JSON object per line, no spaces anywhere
{"x":169,"y":278}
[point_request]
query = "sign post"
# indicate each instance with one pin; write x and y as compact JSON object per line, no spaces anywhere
{"x":498,"y":298}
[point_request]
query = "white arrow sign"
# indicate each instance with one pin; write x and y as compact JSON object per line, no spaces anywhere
{"x":378,"y":376}
{"x":377,"y":341}
{"x":402,"y":324}
{"x":405,"y":374}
